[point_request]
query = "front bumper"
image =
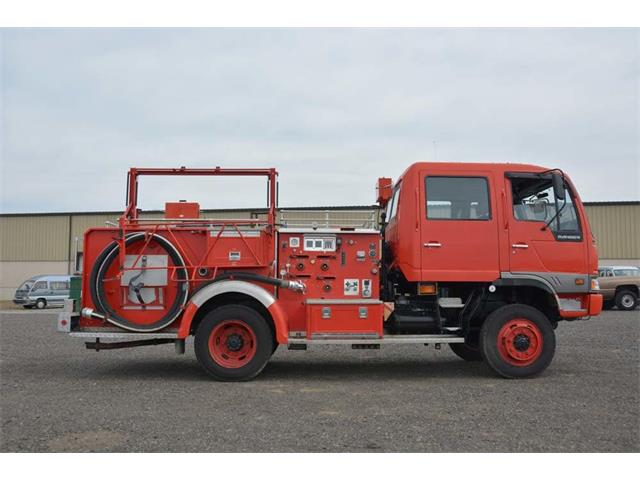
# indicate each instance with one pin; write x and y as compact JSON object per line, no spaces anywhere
{"x":22,"y":301}
{"x":595,"y":303}
{"x":580,"y":305}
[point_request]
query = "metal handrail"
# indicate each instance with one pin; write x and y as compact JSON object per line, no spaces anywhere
{"x":326,"y":219}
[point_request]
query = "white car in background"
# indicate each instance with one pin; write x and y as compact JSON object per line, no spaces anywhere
{"x":43,"y":291}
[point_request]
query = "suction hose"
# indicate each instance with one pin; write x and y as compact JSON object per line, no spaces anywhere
{"x":96,"y":286}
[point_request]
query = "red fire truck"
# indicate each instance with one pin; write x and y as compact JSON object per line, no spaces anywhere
{"x":487,"y":258}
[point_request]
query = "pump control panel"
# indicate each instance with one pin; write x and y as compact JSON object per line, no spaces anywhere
{"x":331,"y":265}
{"x":339,"y":266}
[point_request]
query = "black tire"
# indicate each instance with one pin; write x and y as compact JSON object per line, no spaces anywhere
{"x":517,"y":341}
{"x":275,"y":347}
{"x":469,"y":353}
{"x":254,"y":324}
{"x":626,"y":300}
{"x":41,"y":303}
{"x":28,"y":307}
{"x":608,"y":304}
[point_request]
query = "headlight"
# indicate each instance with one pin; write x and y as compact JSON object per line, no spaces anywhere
{"x":594,"y":284}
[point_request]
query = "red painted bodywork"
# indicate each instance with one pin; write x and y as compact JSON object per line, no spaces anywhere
{"x":357,"y":256}
{"x":478,"y":250}
{"x":182,"y":210}
{"x":202,"y":243}
{"x":468,"y":251}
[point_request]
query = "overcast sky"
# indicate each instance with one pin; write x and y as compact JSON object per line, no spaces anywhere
{"x":331,"y":109}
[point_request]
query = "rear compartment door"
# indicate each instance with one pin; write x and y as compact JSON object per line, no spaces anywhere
{"x":459,"y":228}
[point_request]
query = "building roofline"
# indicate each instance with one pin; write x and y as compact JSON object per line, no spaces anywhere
{"x":264,"y":210}
{"x":612,"y":203}
{"x":207,"y":210}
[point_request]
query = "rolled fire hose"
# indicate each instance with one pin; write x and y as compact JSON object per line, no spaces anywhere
{"x":104,"y":261}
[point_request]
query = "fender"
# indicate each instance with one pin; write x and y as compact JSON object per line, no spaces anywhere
{"x":508,"y":279}
{"x":235,"y":286}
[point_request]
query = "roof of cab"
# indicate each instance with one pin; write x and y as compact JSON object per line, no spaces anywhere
{"x":464,"y":166}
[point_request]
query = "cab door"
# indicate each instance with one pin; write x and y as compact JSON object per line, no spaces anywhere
{"x":545,"y":234}
{"x":459,"y":227}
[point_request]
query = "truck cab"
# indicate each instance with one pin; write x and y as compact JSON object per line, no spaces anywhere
{"x":465,"y":240}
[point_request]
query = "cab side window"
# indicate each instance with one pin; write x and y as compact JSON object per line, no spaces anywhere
{"x":457,"y":198}
{"x":393,"y":206}
{"x":534,"y":201}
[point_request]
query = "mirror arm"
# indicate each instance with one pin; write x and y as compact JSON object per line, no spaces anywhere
{"x":546,"y":225}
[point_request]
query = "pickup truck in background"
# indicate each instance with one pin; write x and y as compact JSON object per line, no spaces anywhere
{"x":619,"y":286}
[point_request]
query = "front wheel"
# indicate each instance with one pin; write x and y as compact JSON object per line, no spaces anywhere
{"x":233,"y":343}
{"x":517,"y":341}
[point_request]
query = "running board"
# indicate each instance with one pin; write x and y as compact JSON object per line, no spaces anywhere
{"x":121,"y":335}
{"x":98,"y":345}
{"x":368,"y":340}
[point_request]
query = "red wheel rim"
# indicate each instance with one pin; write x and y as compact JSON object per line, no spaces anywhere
{"x":520,"y":342}
{"x":232,"y":344}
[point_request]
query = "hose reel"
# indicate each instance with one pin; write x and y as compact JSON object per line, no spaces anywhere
{"x":116,"y":316}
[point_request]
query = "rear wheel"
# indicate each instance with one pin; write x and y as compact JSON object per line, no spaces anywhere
{"x":41,"y":303}
{"x":626,"y":300}
{"x":517,"y":341}
{"x":233,"y":343}
{"x":470,"y":353}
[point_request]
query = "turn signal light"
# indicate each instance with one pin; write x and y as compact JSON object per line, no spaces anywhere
{"x":594,"y":284}
{"x":427,"y":289}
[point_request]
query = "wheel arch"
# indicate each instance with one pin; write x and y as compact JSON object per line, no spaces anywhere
{"x":534,"y":292}
{"x":627,"y":286}
{"x":231,"y":292}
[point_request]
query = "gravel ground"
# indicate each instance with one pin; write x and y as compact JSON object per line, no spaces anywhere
{"x":57,"y":396}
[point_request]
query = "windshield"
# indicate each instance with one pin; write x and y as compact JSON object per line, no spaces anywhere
{"x":26,"y":286}
{"x":626,"y":272}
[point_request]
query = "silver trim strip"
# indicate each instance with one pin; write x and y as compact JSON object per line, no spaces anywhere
{"x":232,"y":286}
{"x":123,"y":335}
{"x":328,"y":230}
{"x":558,"y":282}
{"x":387,"y":340}
{"x":338,"y":301}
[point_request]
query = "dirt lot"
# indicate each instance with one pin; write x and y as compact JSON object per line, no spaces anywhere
{"x":57,"y":396}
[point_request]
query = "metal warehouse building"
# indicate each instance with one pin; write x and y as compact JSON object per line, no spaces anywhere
{"x":35,"y":244}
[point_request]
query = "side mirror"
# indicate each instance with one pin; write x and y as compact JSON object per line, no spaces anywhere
{"x":558,"y":186}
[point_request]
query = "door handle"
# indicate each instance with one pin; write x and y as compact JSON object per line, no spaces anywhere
{"x":520,"y":245}
{"x":433,"y":244}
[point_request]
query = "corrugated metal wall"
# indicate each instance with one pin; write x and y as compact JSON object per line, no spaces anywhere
{"x":33,"y":238}
{"x":617,"y":229}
